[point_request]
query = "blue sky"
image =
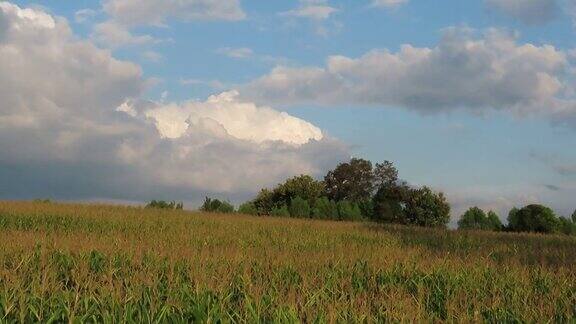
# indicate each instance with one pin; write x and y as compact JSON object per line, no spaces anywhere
{"x":496,"y":152}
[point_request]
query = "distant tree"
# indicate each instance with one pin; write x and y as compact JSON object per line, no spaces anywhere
{"x":574,"y":217}
{"x":325,"y":209}
{"x":495,"y":222}
{"x":424,"y":207}
{"x":389,"y":203}
{"x":216,"y":206}
{"x":566,"y":226}
{"x":349,"y":211}
{"x":162,"y":204}
{"x":303,"y":186}
{"x":385,"y":174}
{"x":248,"y":208}
{"x":513,"y":219}
{"x":281,"y":211}
{"x":299,"y":208}
{"x":476,"y":219}
{"x":533,"y":218}
{"x":264,"y":202}
{"x":353,"y":181}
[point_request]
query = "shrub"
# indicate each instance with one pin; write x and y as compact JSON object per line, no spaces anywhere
{"x":566,"y":226}
{"x":299,"y":208}
{"x":248,"y":208}
{"x":281,"y":211}
{"x":533,"y":218}
{"x":349,"y":211}
{"x":162,"y":204}
{"x":216,"y":206}
{"x":325,"y":209}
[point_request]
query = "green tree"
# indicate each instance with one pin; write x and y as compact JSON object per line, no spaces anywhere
{"x":424,"y":207}
{"x":533,"y":218}
{"x":495,"y":222}
{"x":248,"y":208}
{"x":385,"y":174}
{"x":574,"y":217}
{"x":349,"y":211}
{"x":281,"y":211}
{"x":389,"y":202}
{"x":216,"y":206}
{"x":162,"y":204}
{"x":566,"y":226}
{"x":299,"y":208}
{"x":353,"y":181}
{"x":325,"y":208}
{"x":476,"y":219}
{"x":303,"y":186}
{"x":264,"y":202}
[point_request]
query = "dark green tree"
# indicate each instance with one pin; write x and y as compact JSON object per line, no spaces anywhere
{"x":248,"y":208}
{"x":325,"y":209}
{"x":566,"y":226}
{"x":281,"y":211}
{"x":353,"y":181}
{"x":264,"y":202}
{"x":303,"y":186}
{"x":388,"y":203}
{"x":216,"y":206}
{"x":476,"y":219}
{"x":533,"y":218}
{"x":162,"y":204}
{"x":574,"y":217}
{"x":349,"y":211}
{"x":299,"y":208}
{"x":424,"y":207}
{"x":495,"y":222}
{"x":385,"y":174}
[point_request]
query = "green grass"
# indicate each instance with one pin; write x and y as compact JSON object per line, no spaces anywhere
{"x":80,"y":263}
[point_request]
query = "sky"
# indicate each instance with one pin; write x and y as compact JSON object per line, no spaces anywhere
{"x":133,"y":100}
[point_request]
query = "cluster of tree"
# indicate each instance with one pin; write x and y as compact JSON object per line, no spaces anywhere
{"x":162,"y":204}
{"x":354,"y":190}
{"x":531,"y":218}
{"x":216,"y":206}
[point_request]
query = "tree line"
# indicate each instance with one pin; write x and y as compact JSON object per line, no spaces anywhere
{"x":358,"y":190}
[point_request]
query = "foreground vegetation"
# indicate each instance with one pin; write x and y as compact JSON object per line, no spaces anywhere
{"x":114,"y":264}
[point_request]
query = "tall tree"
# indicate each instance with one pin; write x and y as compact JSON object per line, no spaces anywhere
{"x":533,"y":218}
{"x":476,"y":219}
{"x":303,"y":186}
{"x":385,"y":174}
{"x":425,"y":207}
{"x":352,"y":181}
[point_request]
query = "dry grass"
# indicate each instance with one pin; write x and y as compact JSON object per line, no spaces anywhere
{"x":114,"y":264}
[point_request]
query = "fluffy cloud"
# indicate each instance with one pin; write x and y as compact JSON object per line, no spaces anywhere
{"x":72,"y":125}
{"x":527,"y":11}
{"x":112,"y":34}
{"x":241,"y":120}
{"x":464,"y":71}
{"x":153,"y":12}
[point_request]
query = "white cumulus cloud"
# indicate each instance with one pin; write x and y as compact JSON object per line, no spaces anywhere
{"x":73,"y":125}
{"x":464,"y":71}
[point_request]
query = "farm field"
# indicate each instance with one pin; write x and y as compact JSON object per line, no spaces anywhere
{"x":97,"y":263}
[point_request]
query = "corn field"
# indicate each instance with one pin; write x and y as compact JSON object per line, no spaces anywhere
{"x":97,"y":263}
